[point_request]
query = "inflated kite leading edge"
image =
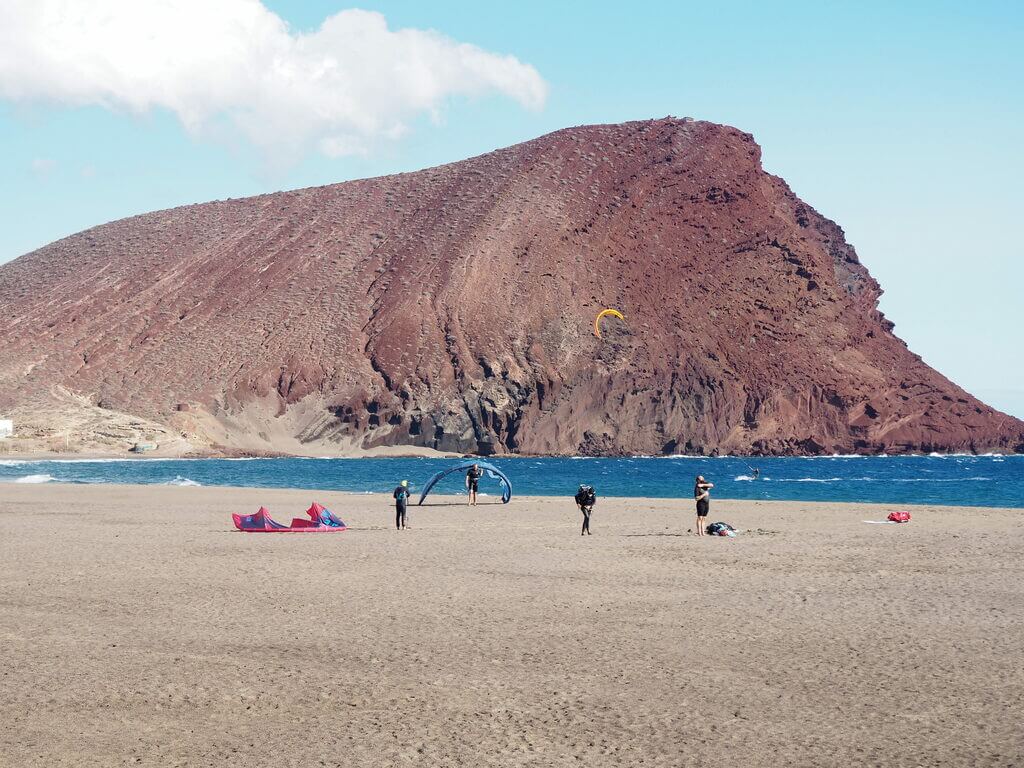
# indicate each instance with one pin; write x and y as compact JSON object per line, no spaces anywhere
{"x":605,"y":313}
{"x":491,"y":470}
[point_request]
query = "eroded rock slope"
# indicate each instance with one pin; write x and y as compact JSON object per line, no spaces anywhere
{"x":452,"y":308}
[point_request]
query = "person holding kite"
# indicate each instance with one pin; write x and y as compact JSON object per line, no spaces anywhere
{"x":473,"y":482}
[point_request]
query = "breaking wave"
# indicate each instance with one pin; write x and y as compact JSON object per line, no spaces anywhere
{"x":182,"y":481}
{"x":86,"y":461}
{"x":35,"y":479}
{"x":871,"y":479}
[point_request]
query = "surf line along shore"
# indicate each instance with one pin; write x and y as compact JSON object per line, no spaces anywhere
{"x":496,"y":632}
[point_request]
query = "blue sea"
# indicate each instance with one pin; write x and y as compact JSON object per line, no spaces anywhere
{"x":959,"y":480}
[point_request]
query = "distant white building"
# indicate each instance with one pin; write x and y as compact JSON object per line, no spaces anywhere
{"x":6,"y":428}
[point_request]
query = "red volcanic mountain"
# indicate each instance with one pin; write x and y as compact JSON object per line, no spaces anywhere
{"x":453,"y":308}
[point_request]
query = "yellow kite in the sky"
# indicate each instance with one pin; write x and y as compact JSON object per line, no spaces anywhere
{"x":603,"y":313}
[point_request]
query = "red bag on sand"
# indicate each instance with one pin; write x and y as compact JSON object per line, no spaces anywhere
{"x":899,"y":517}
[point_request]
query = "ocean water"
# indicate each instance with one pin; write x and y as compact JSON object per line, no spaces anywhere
{"x":958,"y":480}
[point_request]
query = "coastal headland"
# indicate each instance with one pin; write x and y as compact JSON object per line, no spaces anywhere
{"x":453,"y":309}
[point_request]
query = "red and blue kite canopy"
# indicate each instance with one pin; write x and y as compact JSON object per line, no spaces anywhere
{"x":321,"y":520}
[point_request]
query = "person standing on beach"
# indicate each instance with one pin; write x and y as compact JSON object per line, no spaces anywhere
{"x":702,"y":495}
{"x":401,"y":494}
{"x":473,"y":482}
{"x":585,"y":500}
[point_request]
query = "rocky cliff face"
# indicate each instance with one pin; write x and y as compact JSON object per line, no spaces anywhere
{"x":453,"y":309}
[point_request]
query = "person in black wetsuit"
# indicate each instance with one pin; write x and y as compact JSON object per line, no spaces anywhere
{"x":585,"y":500}
{"x":401,"y":495}
{"x":702,"y":495}
{"x":473,"y":482}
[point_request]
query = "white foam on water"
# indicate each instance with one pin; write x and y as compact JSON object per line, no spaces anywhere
{"x":36,"y":479}
{"x":875,"y":479}
{"x":743,"y":478}
{"x":88,"y":461}
{"x":183,"y":481}
{"x":18,"y":462}
{"x":930,"y":479}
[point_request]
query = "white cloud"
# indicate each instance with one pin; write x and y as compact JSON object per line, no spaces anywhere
{"x":234,"y":63}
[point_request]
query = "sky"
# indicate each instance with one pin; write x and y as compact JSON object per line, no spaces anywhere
{"x":903,"y":122}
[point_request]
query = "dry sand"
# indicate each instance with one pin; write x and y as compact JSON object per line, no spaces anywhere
{"x":139,"y":629}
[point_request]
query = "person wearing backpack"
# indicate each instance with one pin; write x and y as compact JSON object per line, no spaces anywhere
{"x":401,"y":494}
{"x":585,"y":500}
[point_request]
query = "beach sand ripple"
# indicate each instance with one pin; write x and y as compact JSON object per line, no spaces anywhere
{"x":139,"y":629}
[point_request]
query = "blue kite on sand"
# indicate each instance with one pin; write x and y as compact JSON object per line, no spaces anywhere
{"x":491,"y":470}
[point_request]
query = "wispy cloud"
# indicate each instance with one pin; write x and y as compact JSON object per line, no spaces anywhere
{"x":234,"y":64}
{"x":43,"y":166}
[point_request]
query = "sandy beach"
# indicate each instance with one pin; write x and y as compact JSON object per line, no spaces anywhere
{"x":140,"y":629}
